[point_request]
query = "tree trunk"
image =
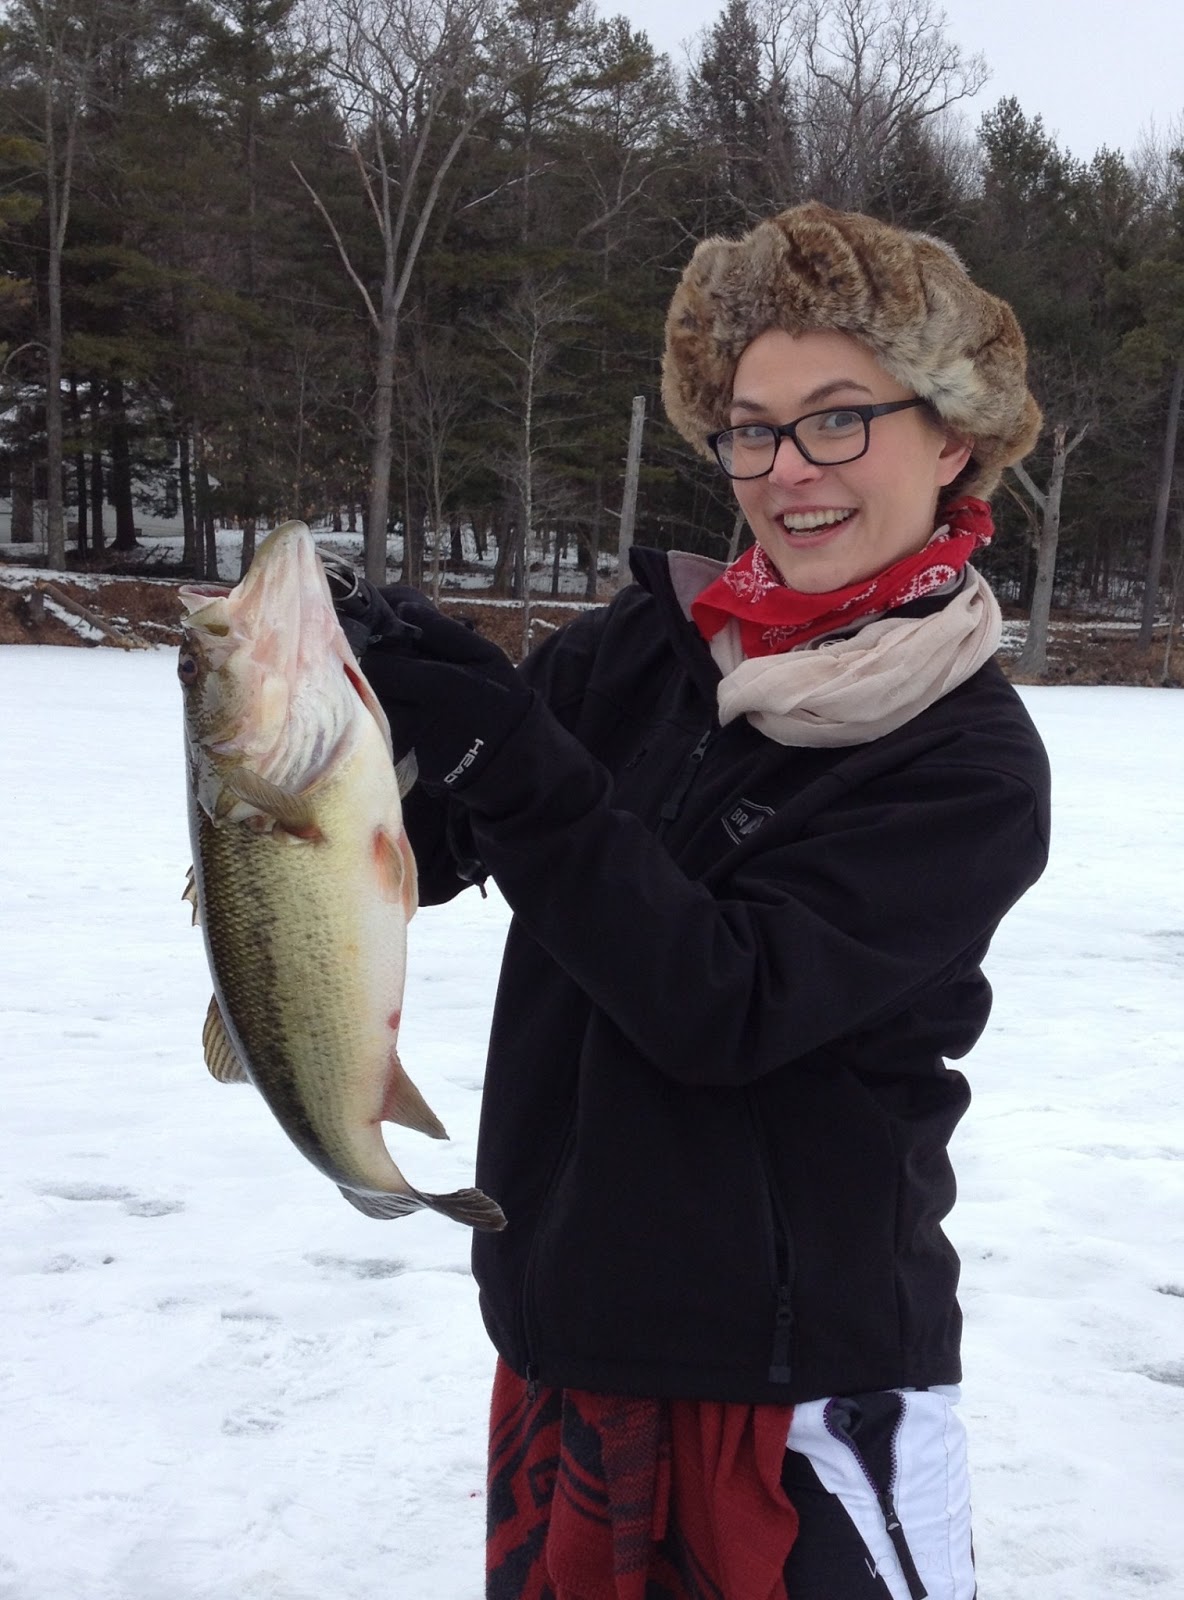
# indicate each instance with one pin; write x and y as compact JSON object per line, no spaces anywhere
{"x":248,"y":552}
{"x":55,"y":523}
{"x":206,"y":532}
{"x":121,"y":472}
{"x":188,"y":521}
{"x":79,"y":468}
{"x":380,"y":455}
{"x":22,"y":501}
{"x":1034,"y":656}
{"x":98,"y":534}
{"x":456,"y":549}
{"x":1163,"y":497}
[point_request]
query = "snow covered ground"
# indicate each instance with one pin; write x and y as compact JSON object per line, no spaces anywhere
{"x":220,"y":1382}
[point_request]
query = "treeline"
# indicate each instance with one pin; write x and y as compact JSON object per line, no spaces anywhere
{"x":407,"y":261}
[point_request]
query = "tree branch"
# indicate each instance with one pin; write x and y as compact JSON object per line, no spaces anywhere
{"x":341,"y":250}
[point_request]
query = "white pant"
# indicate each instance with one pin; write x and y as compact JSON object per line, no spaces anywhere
{"x":898,"y":1450}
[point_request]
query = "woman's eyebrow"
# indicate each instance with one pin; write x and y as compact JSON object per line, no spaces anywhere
{"x":823,"y":392}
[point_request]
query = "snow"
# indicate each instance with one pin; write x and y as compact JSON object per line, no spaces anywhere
{"x":220,"y":1382}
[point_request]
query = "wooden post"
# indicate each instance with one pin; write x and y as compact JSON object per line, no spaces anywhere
{"x":629,"y":503}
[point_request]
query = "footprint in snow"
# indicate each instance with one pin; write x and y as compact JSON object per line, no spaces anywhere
{"x":133,"y":1204}
{"x":1173,"y":1374}
{"x":357,"y":1267}
{"x":252,"y":1420}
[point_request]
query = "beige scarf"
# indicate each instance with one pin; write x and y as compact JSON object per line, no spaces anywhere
{"x":852,"y":690}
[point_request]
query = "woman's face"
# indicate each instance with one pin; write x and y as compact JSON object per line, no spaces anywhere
{"x":888,"y":497}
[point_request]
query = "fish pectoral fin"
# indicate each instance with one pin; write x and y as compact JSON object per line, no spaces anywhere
{"x":190,"y":893}
{"x":410,"y":878}
{"x":407,"y":774}
{"x":292,"y":812}
{"x":395,"y":865}
{"x":403,"y":1103}
{"x":221,"y":1056}
{"x":469,"y":1206}
{"x":389,"y":863}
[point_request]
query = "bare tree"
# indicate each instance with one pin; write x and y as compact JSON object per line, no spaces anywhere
{"x":414,"y":78}
{"x":525,"y":337}
{"x":53,"y":48}
{"x":1034,"y":655}
{"x":874,"y":70}
{"x":439,"y":394}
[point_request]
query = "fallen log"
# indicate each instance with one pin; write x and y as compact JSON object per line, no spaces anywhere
{"x":126,"y":641}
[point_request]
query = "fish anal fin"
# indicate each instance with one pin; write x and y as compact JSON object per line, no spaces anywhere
{"x":404,"y":1104}
{"x":467,"y":1206}
{"x":221,"y":1056}
{"x":292,"y":812}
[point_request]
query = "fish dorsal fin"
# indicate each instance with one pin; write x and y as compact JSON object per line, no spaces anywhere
{"x":221,"y":1056}
{"x":190,"y":893}
{"x":404,"y":1104}
{"x":292,"y":812}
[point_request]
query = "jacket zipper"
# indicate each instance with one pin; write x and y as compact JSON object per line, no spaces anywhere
{"x":892,"y":1525}
{"x":528,"y":1341}
{"x":780,"y":1369}
{"x":676,"y":797}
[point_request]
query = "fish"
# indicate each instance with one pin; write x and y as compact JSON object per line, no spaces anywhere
{"x":303,"y":879}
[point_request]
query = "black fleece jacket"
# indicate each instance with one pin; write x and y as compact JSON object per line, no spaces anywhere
{"x":717,"y":1103}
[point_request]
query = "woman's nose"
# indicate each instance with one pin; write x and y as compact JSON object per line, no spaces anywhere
{"x":790,"y":466}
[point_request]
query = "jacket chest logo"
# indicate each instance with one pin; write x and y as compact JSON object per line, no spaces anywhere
{"x":745,"y":818}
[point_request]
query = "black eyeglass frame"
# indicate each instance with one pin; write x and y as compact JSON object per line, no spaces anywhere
{"x":789,"y":430}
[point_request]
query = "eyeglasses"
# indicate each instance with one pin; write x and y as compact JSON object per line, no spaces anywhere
{"x":824,"y":438}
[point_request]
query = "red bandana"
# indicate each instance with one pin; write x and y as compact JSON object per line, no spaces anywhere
{"x":774,"y":618}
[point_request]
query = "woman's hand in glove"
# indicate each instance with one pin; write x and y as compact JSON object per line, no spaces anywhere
{"x":450,"y":695}
{"x":367,"y":613}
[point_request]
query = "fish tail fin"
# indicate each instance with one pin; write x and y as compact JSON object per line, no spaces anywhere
{"x":469,"y":1206}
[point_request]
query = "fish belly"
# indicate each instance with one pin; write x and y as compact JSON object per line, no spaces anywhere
{"x":308,"y":955}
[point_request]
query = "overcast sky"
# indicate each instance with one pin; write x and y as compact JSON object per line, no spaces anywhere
{"x":1098,"y":71}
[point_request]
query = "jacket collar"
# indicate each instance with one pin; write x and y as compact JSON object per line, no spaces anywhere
{"x":673,"y":579}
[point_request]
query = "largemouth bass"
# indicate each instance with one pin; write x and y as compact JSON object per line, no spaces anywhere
{"x":303,"y":880}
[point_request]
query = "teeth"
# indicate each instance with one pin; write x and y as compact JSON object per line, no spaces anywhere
{"x":807,"y":521}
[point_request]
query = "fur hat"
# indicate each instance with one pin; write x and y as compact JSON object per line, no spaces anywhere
{"x":906,"y":296}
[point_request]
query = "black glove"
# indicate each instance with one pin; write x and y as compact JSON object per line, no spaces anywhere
{"x":450,"y":695}
{"x":365,"y":612}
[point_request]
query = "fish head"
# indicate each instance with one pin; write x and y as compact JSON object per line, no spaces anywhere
{"x":270,"y":682}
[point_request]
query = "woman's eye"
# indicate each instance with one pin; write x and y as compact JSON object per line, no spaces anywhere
{"x":753,"y":436}
{"x":839,"y":421}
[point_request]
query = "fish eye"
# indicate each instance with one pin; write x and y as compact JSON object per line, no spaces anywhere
{"x":187,"y":670}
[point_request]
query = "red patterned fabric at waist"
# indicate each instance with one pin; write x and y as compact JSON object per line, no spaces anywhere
{"x":604,"y":1497}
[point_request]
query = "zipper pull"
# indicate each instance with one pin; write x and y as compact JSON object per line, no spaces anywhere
{"x":779,"y":1368}
{"x":672,"y":805}
{"x":532,"y":1382}
{"x":908,"y":1567}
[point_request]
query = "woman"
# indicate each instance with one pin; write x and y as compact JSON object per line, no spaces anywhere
{"x":757,"y":828}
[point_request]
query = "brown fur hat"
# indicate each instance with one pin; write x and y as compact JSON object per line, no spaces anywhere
{"x":904,"y":295}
